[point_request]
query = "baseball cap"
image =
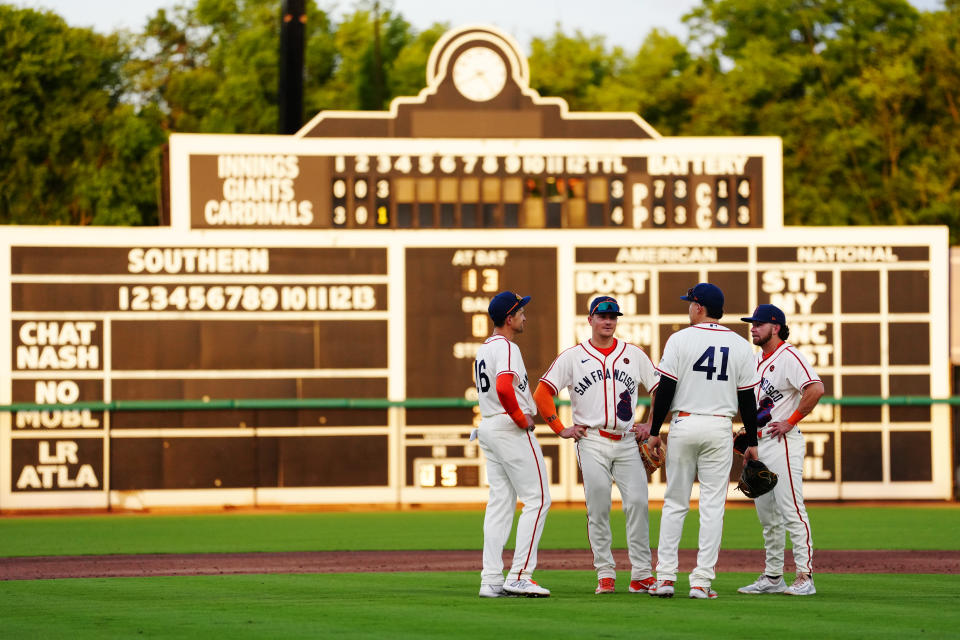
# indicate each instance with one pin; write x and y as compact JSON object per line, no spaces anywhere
{"x":505,"y":303}
{"x":604,"y":304}
{"x":706,"y":294}
{"x":767,"y":313}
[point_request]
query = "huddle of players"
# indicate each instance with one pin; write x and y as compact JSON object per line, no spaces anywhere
{"x":707,"y":374}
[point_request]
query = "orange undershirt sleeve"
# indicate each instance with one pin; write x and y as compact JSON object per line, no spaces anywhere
{"x":508,"y":398}
{"x":543,"y":396}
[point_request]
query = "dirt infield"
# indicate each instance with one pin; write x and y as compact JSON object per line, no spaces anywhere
{"x":117,"y":566}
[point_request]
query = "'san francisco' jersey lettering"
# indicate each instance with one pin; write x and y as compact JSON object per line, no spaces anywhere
{"x":603,"y":389}
{"x":784,"y":374}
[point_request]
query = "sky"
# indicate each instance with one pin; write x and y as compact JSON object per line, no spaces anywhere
{"x":623,"y":23}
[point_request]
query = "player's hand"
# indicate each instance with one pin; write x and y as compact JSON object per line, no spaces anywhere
{"x":530,"y":425}
{"x":642,"y":429}
{"x":779,"y":429}
{"x":750,"y":454}
{"x":576,"y":432}
{"x":654,"y":443}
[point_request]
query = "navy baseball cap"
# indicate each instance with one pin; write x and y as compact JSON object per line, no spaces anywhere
{"x":767,"y":313}
{"x":706,"y":294}
{"x":604,"y":304}
{"x":505,"y":303}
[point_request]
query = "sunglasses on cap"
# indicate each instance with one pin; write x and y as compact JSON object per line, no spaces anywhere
{"x":606,"y":306}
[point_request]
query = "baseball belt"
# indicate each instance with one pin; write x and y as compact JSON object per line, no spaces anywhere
{"x":684,"y":414}
{"x":612,"y":436}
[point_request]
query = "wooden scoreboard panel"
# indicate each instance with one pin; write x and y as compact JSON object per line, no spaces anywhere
{"x":356,"y":259}
{"x":399,"y":315}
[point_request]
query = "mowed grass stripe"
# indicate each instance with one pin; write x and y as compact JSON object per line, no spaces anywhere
{"x":834,"y":527}
{"x":444,"y":605}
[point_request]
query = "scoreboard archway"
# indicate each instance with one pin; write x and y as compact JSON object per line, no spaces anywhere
{"x":356,"y":259}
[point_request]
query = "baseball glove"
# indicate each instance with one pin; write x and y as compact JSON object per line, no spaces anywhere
{"x":651,"y":461}
{"x":756,"y":479}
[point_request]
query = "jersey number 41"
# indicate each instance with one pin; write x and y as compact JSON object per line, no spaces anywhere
{"x":706,"y":363}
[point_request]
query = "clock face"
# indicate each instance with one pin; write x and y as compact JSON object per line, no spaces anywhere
{"x":479,"y":74}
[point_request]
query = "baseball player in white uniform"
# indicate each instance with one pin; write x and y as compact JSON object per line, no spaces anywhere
{"x":707,"y":372}
{"x":514,"y":460}
{"x":604,"y":376}
{"x":789,"y":390}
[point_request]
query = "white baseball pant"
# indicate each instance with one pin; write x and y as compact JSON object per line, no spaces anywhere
{"x":603,"y":461}
{"x":698,"y":447}
{"x":782,"y":510}
{"x":515,"y":469}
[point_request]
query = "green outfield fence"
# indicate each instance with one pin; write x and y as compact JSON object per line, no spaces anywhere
{"x":380,"y":403}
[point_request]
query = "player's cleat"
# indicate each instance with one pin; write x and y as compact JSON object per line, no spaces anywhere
{"x":606,"y":585}
{"x":662,"y":589}
{"x":524,"y":587}
{"x":802,"y":586}
{"x":642,"y":586}
{"x":703,"y":593}
{"x":491,"y":591}
{"x":765,"y":584}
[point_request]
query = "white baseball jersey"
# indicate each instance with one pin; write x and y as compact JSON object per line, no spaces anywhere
{"x":603,"y":389}
{"x":710,"y":363}
{"x":783,"y":375}
{"x":497,"y":356}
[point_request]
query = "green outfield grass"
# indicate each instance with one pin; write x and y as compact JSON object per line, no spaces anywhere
{"x":834,"y":527}
{"x":445,"y":605}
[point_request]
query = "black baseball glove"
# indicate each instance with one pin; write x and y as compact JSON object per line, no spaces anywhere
{"x":756,"y":479}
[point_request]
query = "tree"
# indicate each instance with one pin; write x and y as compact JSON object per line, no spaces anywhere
{"x":213,"y":67}
{"x":71,"y":150}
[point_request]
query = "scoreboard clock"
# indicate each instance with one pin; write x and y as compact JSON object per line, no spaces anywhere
{"x":356,"y":259}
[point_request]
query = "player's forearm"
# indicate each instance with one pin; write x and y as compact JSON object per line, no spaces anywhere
{"x":662,"y":400}
{"x":508,"y":399}
{"x":543,"y":397}
{"x":747,"y":400}
{"x":811,"y":396}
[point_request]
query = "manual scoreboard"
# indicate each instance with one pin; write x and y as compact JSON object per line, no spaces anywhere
{"x":357,"y":258}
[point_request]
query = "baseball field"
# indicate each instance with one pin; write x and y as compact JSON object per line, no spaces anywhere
{"x":883,"y":572}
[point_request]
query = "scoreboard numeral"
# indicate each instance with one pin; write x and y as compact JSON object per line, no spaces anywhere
{"x":723,"y":215}
{"x":339,"y":188}
{"x":383,"y":164}
{"x":479,"y":325}
{"x":680,"y":214}
{"x":659,"y":188}
{"x":491,"y":280}
{"x":680,"y":189}
{"x":360,"y":188}
{"x":362,"y":164}
{"x":722,"y":191}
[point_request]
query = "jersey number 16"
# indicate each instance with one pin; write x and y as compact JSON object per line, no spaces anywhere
{"x":483,"y":381}
{"x":705,"y":363}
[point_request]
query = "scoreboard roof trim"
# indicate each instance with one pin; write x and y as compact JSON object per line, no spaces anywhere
{"x":439,"y":63}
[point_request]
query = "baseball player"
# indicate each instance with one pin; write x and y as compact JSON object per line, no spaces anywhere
{"x":515,"y":466}
{"x":604,"y":376}
{"x":789,"y":390}
{"x":707,"y":372}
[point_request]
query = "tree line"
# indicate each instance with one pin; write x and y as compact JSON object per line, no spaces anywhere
{"x":864,"y":93}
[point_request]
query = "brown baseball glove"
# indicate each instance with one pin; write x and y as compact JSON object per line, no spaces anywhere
{"x":756,"y":479}
{"x":651,"y":461}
